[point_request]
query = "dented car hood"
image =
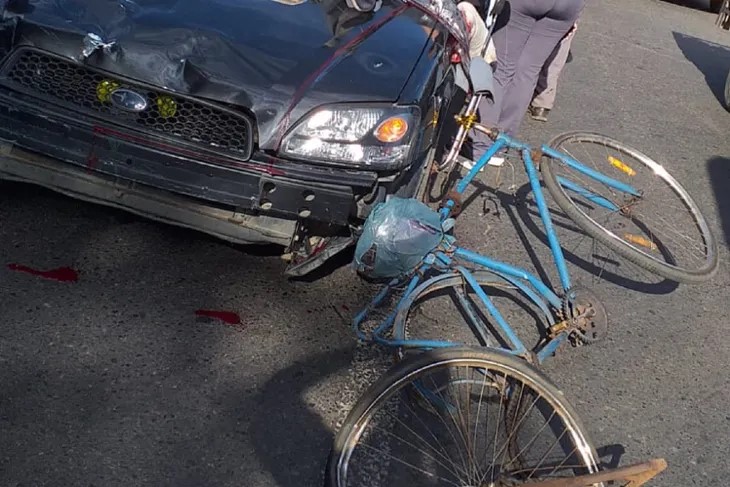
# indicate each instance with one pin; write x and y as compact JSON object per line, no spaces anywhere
{"x":277,"y":60}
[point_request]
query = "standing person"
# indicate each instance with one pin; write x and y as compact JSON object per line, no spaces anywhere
{"x":547,"y":83}
{"x":479,"y":17}
{"x":479,"y":43}
{"x":532,"y":30}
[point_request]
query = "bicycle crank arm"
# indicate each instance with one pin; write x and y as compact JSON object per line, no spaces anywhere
{"x":636,"y":475}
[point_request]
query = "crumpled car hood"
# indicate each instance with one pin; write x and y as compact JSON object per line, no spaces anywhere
{"x":277,"y":60}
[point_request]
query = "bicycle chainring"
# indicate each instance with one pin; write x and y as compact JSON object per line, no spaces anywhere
{"x":586,"y":316}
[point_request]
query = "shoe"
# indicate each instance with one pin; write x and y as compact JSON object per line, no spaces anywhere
{"x":468,"y":164}
{"x":539,"y":114}
{"x":496,"y":161}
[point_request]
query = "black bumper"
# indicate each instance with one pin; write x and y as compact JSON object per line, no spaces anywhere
{"x":263,"y":185}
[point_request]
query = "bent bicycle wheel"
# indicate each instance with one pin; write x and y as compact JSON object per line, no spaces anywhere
{"x":660,"y":229}
{"x":470,"y":436}
{"x":447,"y":308}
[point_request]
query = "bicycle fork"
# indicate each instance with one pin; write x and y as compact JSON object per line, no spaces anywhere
{"x":466,"y":121}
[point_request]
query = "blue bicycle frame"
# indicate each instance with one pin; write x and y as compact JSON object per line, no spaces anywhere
{"x":446,"y":263}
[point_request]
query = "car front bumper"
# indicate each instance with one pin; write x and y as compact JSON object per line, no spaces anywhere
{"x":257,"y":201}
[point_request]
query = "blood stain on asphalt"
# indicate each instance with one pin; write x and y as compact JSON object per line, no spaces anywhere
{"x":62,"y":274}
{"x":227,"y":317}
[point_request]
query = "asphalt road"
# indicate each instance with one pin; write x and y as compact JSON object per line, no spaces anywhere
{"x":113,"y":380}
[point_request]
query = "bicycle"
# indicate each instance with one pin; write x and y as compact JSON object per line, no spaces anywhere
{"x":437,"y":263}
{"x":573,"y":312}
{"x":560,"y":453}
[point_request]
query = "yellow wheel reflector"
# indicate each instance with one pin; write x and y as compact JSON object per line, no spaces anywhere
{"x":621,"y":166}
{"x":639,"y":240}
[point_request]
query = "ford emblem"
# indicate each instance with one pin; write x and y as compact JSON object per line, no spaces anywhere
{"x":128,"y":100}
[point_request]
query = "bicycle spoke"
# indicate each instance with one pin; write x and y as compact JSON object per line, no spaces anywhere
{"x":416,"y":468}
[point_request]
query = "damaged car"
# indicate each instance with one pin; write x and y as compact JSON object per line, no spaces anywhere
{"x":258,"y":121}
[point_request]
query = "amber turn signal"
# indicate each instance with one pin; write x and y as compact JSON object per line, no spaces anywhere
{"x":391,"y":130}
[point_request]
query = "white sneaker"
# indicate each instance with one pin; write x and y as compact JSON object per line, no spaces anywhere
{"x":496,"y":161}
{"x":468,"y":164}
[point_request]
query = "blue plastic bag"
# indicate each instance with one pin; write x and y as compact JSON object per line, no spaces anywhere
{"x":396,"y":237}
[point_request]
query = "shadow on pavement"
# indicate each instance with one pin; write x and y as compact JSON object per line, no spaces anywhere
{"x":594,"y":266}
{"x":611,"y":455}
{"x":719,"y":171}
{"x":696,"y":4}
{"x":287,"y":428}
{"x":713,"y":61}
{"x":519,"y":210}
{"x":112,"y":380}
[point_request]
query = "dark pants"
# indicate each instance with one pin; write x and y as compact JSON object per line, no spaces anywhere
{"x":547,"y":83}
{"x":523,"y":45}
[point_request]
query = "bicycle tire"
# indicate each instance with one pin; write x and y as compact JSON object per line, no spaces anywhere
{"x":408,"y":370}
{"x":425,"y":176}
{"x":484,"y":279}
{"x":595,"y":230}
{"x":400,"y":322}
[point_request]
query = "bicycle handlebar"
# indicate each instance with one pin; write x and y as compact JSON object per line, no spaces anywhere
{"x":492,"y":133}
{"x":468,"y":121}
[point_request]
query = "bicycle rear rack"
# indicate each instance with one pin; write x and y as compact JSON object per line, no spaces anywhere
{"x":636,"y":475}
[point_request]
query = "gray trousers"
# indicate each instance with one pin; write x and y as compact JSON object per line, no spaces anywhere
{"x":547,"y":82}
{"x":523,"y":46}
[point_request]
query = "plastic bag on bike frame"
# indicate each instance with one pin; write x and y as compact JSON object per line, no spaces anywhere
{"x":397,"y":235}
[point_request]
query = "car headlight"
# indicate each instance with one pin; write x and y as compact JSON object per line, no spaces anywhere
{"x":378,"y":137}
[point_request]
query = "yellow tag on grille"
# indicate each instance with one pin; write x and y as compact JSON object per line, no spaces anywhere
{"x":621,"y":166}
{"x":166,"y":106}
{"x":104,"y":90}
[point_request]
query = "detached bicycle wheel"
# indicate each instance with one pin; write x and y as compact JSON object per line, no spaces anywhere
{"x":460,"y":417}
{"x":661,"y":230}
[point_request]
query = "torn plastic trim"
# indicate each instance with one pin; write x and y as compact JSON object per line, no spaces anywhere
{"x":92,"y":42}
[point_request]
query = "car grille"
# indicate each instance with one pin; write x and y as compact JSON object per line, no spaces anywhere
{"x":62,"y":82}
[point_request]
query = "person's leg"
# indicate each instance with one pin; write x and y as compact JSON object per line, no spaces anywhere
{"x":545,"y":36}
{"x":509,"y":41}
{"x":545,"y":97}
{"x":542,"y":79}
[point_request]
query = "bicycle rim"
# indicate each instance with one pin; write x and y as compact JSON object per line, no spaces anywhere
{"x":434,"y":312}
{"x":455,"y":458}
{"x":665,"y":234}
